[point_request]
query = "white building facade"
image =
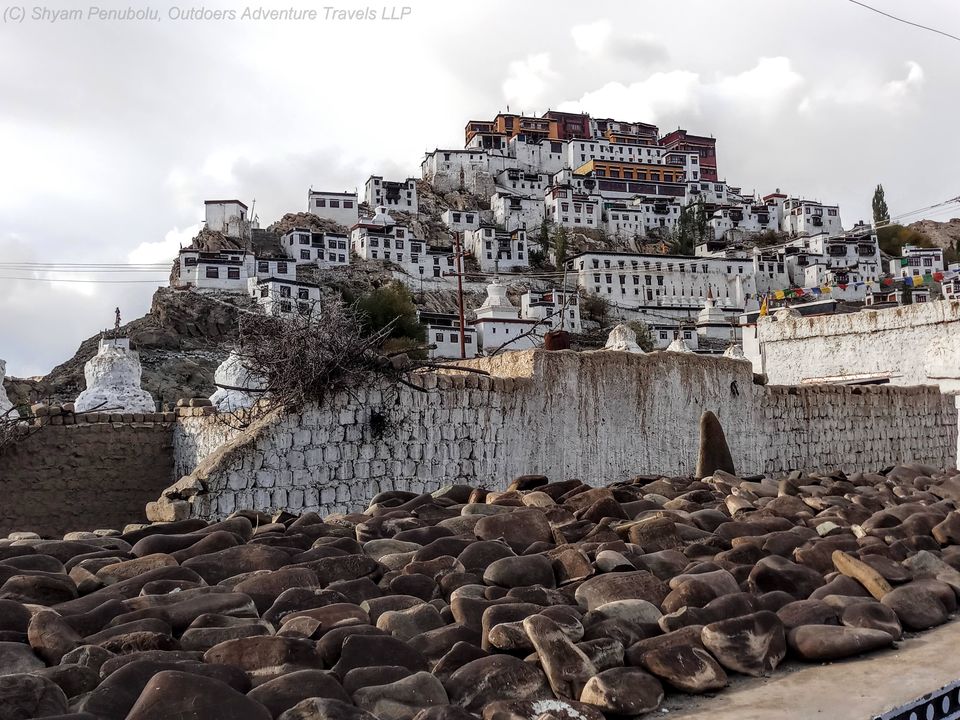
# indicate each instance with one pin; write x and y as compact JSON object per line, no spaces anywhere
{"x":340,"y":207}
{"x":393,"y":195}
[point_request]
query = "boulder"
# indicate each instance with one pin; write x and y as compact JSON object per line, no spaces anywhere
{"x":820,"y":643}
{"x":753,"y":644}
{"x":623,"y":691}
{"x":688,"y":668}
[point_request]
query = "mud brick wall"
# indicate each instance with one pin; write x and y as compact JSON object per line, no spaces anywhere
{"x":84,"y":476}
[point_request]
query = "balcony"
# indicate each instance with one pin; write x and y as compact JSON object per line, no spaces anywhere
{"x":816,"y":221}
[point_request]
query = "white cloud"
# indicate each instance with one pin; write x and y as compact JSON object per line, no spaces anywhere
{"x":914,"y":79}
{"x":527,"y":81}
{"x":592,"y":38}
{"x":164,"y":250}
{"x":769,"y":81}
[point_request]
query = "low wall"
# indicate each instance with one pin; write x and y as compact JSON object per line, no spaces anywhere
{"x":84,"y":476}
{"x":600,"y":417}
{"x":914,"y":345}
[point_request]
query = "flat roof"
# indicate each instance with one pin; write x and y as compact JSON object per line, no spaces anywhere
{"x":225,"y":202}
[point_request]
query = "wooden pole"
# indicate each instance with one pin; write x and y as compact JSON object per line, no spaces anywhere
{"x":463,"y":340}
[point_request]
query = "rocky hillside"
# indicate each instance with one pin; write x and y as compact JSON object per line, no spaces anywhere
{"x":942,"y":234}
{"x":181,"y":340}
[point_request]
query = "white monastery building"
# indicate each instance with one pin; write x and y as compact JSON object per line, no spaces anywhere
{"x":325,"y":250}
{"x":393,"y":195}
{"x":340,"y":207}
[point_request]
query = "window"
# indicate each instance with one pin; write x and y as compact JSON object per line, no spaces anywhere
{"x":263,"y":267}
{"x":285,"y":306}
{"x":282,"y":268}
{"x":303,"y":294}
{"x":439,"y":337}
{"x":663,"y":335}
{"x":347,"y":204}
{"x":334,"y":203}
{"x":284,"y":291}
{"x":233,"y":273}
{"x":303,"y":239}
{"x":320,"y":203}
{"x":686,"y":335}
{"x":213,"y":272}
{"x":467,"y":339}
{"x":264,"y":292}
{"x":304,"y":254}
{"x":454,"y":338}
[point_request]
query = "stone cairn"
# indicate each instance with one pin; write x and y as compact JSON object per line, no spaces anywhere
{"x":547,"y":600}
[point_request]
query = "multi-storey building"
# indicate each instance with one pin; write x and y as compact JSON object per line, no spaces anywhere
{"x":393,"y":195}
{"x":568,"y":208}
{"x":382,"y":238}
{"x":229,"y":217}
{"x":461,"y":220}
{"x":628,"y":133}
{"x":917,"y":261}
{"x":705,"y":147}
{"x":443,"y":331}
{"x":633,"y":281}
{"x":733,"y":222}
{"x":497,"y":250}
{"x":513,"y":212}
{"x":282,"y":296}
{"x":555,"y":309}
{"x":642,"y":219}
{"x":341,"y":207}
{"x":227,"y":270}
{"x":323,"y":249}
{"x":806,"y":217}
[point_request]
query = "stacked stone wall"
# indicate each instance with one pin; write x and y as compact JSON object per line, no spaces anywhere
{"x":91,"y":474}
{"x":600,"y":417}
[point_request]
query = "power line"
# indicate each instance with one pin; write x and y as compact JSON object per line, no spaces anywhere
{"x":75,"y":280}
{"x":906,"y":22}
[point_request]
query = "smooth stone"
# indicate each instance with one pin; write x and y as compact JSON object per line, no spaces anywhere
{"x":688,"y":668}
{"x":602,"y":589}
{"x":863,"y":573}
{"x":51,"y":637}
{"x":373,"y":675}
{"x":874,"y":616}
{"x":406,"y":624}
{"x":497,"y":677}
{"x":533,"y":709}
{"x":916,"y":607}
{"x":358,"y":650}
{"x":623,"y":691}
{"x":282,"y":693}
{"x":30,"y":696}
{"x":265,"y":658}
{"x":73,"y":679}
{"x":172,"y":694}
{"x":819,"y":643}
{"x":325,"y":709}
{"x":402,"y":699}
{"x":519,"y":529}
{"x":714,"y":453}
{"x":520,"y":571}
{"x":17,"y":659}
{"x":566,"y":666}
{"x":807,"y":612}
{"x":753,"y":644}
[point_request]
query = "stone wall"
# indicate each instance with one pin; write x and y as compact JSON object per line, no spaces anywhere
{"x":84,"y":476}
{"x":914,"y":345}
{"x":600,"y":417}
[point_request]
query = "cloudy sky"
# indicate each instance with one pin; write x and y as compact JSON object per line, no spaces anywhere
{"x":113,"y":133}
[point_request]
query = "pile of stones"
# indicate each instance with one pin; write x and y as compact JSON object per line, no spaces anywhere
{"x":548,"y":600}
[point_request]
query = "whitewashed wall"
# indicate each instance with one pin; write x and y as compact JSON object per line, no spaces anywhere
{"x":915,"y":344}
{"x":600,"y":417}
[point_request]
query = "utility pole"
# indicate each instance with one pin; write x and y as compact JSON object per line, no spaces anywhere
{"x":459,"y":255}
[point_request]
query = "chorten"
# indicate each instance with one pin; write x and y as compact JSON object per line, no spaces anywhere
{"x":113,"y":378}
{"x":236,"y":386}
{"x":624,"y":339}
{"x":5,"y":405}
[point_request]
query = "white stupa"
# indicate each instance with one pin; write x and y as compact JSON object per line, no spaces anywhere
{"x":5,"y":405}
{"x":231,"y":379}
{"x":624,"y":339}
{"x":711,"y":322}
{"x":113,"y":379}
{"x":679,"y":346}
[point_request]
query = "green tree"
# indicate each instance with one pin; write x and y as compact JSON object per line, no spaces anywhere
{"x":644,"y":336}
{"x":881,"y":213}
{"x":560,"y":245}
{"x":382,"y":306}
{"x":545,"y":236}
{"x":690,"y":230}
